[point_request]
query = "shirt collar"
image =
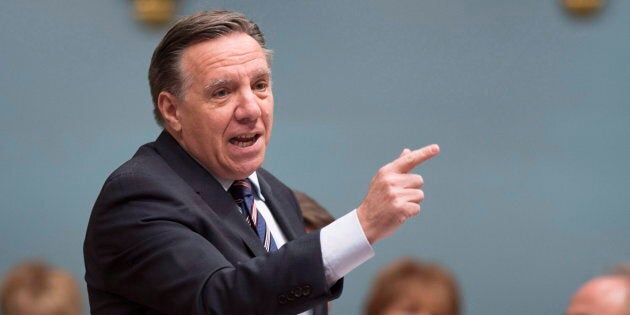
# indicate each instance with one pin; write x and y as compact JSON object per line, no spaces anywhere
{"x":226,"y":183}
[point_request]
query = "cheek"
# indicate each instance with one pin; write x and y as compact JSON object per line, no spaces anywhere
{"x":216,"y":122}
{"x":270,"y":121}
{"x":268,"y":127}
{"x":268,"y":114}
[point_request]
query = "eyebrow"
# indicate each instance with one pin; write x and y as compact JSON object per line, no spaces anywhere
{"x":262,"y":73}
{"x":215,"y":83}
{"x":219,"y":82}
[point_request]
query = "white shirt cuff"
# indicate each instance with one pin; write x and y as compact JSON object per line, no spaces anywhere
{"x":344,"y":247}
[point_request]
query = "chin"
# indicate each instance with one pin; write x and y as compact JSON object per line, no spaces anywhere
{"x":245,"y":169}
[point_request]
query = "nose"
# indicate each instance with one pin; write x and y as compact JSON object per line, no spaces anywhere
{"x":247,"y":110}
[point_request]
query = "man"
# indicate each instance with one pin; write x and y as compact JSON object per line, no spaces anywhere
{"x":604,"y":295}
{"x":175,"y":231}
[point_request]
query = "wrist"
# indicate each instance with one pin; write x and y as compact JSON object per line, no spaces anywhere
{"x":365,"y":225}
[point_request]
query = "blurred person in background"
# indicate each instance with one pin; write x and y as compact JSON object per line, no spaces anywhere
{"x":622,"y":269}
{"x":315,"y":216}
{"x":34,"y":288}
{"x":603,"y":295}
{"x":408,"y":286}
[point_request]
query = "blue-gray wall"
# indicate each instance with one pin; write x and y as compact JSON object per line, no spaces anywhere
{"x":531,"y":108}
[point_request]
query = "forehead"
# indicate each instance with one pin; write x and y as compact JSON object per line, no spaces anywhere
{"x":234,"y":52}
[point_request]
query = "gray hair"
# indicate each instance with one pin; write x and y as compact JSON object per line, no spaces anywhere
{"x":165,"y":71}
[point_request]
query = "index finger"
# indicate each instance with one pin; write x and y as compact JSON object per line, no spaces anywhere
{"x":407,"y":162}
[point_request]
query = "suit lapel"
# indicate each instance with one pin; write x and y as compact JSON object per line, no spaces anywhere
{"x":209,"y":189}
{"x":280,"y":208}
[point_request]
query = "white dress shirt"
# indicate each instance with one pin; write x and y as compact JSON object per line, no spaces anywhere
{"x":343,"y":243}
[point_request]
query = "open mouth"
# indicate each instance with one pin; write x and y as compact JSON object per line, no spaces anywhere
{"x":245,"y":140}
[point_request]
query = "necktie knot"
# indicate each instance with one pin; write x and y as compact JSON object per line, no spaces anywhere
{"x":241,"y":191}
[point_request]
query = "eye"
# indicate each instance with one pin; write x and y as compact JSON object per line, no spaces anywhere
{"x":261,"y":86}
{"x":220,"y":93}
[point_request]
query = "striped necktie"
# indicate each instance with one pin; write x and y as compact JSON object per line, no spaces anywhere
{"x":241,"y":191}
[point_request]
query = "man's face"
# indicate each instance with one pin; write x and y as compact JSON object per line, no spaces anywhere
{"x":225,"y":115}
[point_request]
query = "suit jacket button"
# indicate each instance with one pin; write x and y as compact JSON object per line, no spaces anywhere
{"x":297,"y":292}
{"x":290,"y":297}
{"x":306,"y":290}
{"x":282,"y":299}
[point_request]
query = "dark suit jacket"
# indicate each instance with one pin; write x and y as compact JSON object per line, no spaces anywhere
{"x":165,"y":238}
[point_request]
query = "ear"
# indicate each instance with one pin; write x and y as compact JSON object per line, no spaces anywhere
{"x":168,"y":104}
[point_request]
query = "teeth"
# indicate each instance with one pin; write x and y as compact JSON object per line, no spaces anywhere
{"x":244,"y":144}
{"x":244,"y":140}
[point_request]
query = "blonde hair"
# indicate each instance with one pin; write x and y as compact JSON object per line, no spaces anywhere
{"x":34,"y":288}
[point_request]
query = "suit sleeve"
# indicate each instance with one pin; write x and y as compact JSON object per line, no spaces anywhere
{"x":143,"y":244}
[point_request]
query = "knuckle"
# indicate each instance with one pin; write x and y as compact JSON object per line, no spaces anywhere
{"x":408,"y":158}
{"x":397,"y":203}
{"x":416,"y":209}
{"x":392,"y":196}
{"x":383,"y":170}
{"x":413,"y":210}
{"x":389,"y":180}
{"x":402,"y":220}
